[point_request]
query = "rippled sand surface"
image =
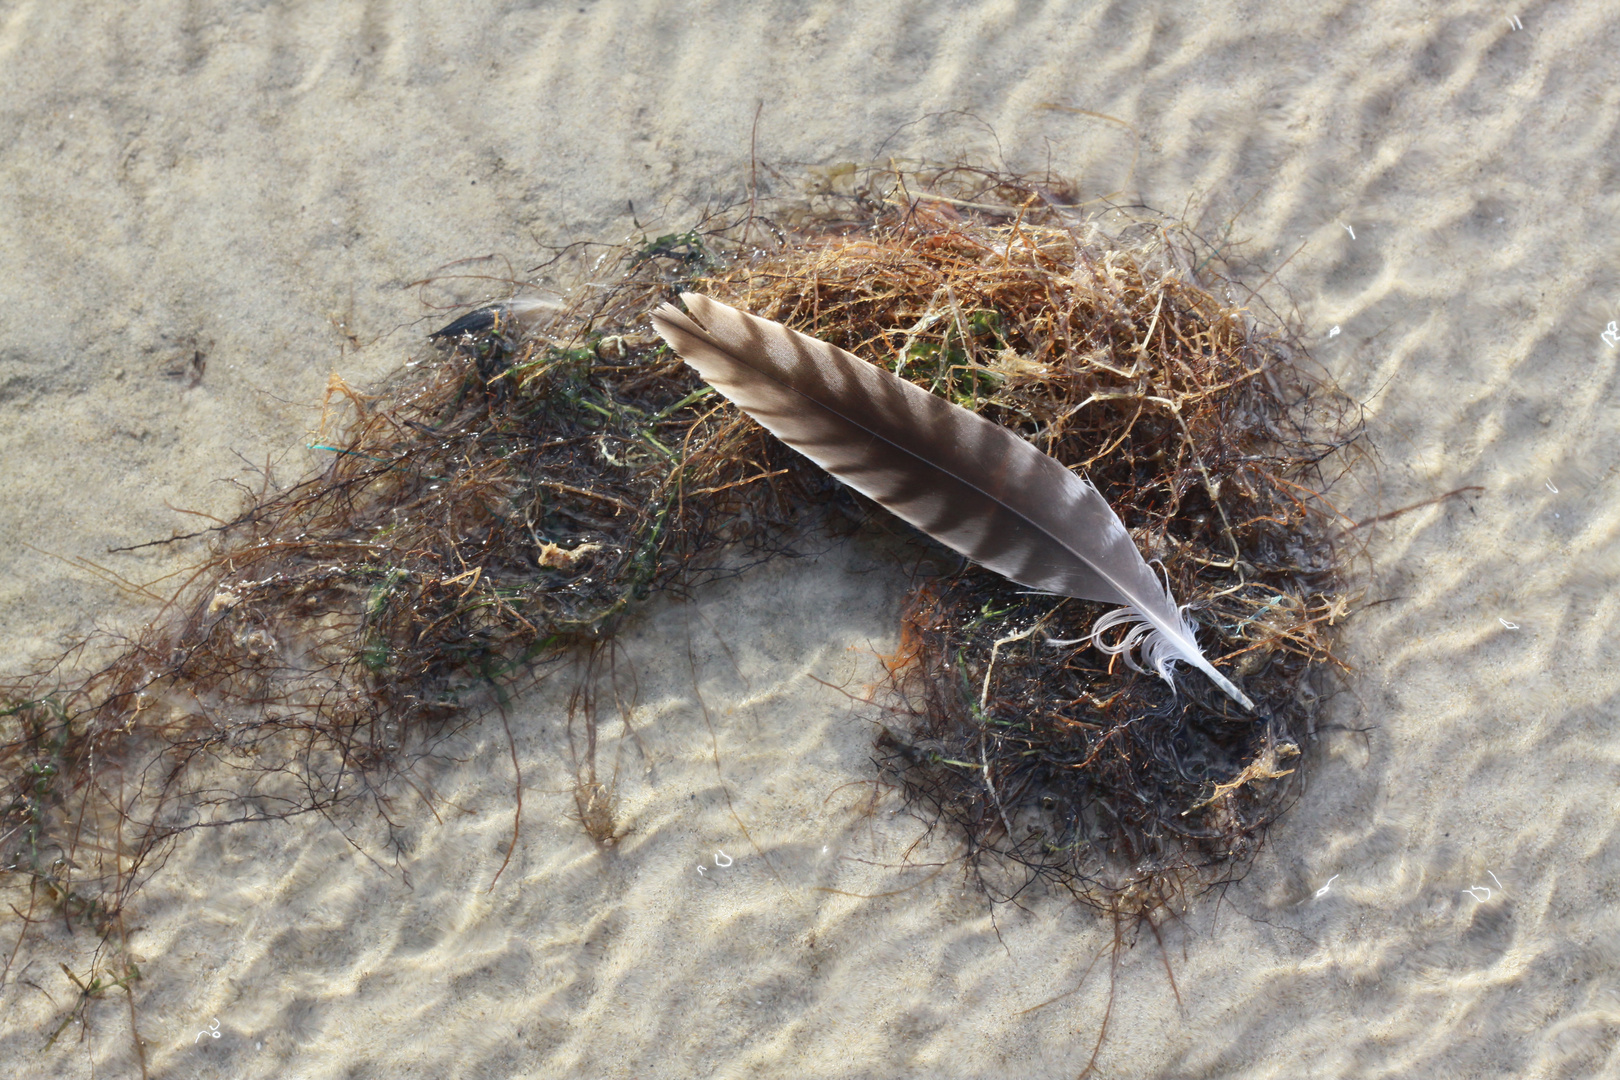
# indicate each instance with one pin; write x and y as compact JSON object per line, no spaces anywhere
{"x":206,"y":208}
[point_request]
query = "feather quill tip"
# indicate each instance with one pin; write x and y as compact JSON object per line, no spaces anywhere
{"x":1159,"y":649}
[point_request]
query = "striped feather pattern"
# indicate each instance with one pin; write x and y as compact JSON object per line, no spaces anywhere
{"x":969,"y":483}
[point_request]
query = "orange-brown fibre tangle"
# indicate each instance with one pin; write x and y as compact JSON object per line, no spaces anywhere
{"x":1055,"y":762}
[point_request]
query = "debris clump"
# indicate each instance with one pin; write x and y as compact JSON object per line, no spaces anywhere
{"x":1207,"y":437}
{"x":509,"y":498}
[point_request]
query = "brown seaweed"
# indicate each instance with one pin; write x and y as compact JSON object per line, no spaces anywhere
{"x":500,"y":505}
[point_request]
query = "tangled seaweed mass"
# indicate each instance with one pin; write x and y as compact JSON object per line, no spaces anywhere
{"x":511,"y":497}
{"x":1209,"y":441}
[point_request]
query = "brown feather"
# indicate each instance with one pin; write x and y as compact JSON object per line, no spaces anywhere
{"x":969,"y":483}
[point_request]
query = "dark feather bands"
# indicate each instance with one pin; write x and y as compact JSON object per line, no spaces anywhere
{"x":969,"y":483}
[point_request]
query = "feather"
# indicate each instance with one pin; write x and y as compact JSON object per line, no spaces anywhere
{"x":971,"y":484}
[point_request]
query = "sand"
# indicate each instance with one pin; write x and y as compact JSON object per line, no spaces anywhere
{"x":208,"y":208}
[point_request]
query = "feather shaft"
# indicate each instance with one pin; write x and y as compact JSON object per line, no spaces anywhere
{"x":969,"y":483}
